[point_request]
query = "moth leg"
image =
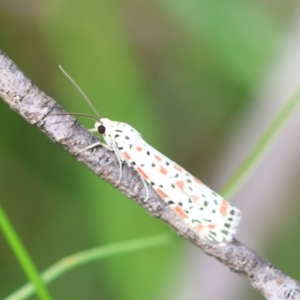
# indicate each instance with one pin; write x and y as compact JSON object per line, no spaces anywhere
{"x":146,"y":188}
{"x":95,"y":145}
{"x":120,"y":160}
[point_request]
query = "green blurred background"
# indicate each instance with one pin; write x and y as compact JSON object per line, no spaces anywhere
{"x":181,"y":72}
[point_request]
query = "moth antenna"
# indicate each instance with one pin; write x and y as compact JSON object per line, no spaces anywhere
{"x":75,"y":114}
{"x":82,"y":94}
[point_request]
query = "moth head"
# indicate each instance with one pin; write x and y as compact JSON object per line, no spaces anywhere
{"x":100,"y":127}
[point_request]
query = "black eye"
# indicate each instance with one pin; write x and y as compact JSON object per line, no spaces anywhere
{"x":101,"y":129}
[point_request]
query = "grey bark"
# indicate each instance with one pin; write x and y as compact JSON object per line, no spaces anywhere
{"x":35,"y":106}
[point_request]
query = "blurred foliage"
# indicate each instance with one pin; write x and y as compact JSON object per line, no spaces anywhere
{"x":178,"y":71}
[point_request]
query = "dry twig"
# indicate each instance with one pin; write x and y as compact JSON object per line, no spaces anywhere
{"x":33,"y":105}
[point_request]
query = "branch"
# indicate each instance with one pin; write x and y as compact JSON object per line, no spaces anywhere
{"x":33,"y":105}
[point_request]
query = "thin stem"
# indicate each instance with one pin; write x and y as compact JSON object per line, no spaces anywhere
{"x":247,"y":167}
{"x":94,"y":254}
{"x":23,"y":257}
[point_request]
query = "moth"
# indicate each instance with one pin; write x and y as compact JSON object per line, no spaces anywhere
{"x":205,"y":212}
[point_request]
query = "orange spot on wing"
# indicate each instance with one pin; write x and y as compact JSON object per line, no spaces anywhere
{"x":163,"y":170}
{"x":142,"y":173}
{"x":126,"y":155}
{"x":180,"y":212}
{"x":138,"y":148}
{"x":198,"y":228}
{"x":162,"y":194}
{"x":211,"y":226}
{"x":195,"y":198}
{"x":224,"y":207}
{"x":197,"y":180}
{"x":157,"y":157}
{"x":177,"y":168}
{"x":180,"y":184}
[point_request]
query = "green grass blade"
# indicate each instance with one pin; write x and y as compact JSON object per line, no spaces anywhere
{"x":94,"y":254}
{"x":244,"y":171}
{"x":22,"y":256}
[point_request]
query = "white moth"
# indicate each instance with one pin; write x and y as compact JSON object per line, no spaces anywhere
{"x":204,"y":211}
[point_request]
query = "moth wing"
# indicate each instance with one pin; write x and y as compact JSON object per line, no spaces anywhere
{"x":203,"y":210}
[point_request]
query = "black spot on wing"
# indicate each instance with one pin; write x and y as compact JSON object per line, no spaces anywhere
{"x":207,"y":220}
{"x":196,"y":221}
